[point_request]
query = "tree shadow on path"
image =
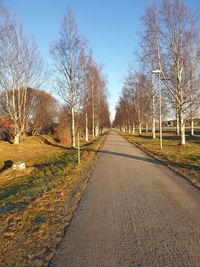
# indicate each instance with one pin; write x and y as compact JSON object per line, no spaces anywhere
{"x":147,"y":159}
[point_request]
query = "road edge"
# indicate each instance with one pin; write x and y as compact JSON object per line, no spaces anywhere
{"x":87,"y":172}
{"x":149,"y":153}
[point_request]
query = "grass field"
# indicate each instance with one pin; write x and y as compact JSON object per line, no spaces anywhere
{"x":184,"y":159}
{"x":36,"y":204}
{"x":32,"y":148}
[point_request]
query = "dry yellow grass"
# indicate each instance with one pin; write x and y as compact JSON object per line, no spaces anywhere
{"x":36,"y":205}
{"x":28,"y":151}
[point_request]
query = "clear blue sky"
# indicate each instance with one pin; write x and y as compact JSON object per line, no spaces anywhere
{"x":110,"y":26}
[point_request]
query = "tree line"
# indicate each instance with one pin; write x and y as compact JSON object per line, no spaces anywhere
{"x":169,"y":45}
{"x":79,"y":81}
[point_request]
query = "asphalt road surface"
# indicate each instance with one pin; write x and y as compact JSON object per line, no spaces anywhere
{"x":134,"y":212}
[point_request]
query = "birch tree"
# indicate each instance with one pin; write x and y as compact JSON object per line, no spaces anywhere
{"x":134,"y":104}
{"x":67,"y":53}
{"x":96,"y":85}
{"x":178,"y":21}
{"x":141,"y":99}
{"x":193,"y":67}
{"x":173,"y":43}
{"x":20,"y":67}
{"x":148,"y":55}
{"x":87,"y":83}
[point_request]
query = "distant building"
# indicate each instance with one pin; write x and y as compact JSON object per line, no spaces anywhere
{"x":172,"y":123}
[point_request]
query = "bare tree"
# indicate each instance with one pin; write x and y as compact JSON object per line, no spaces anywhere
{"x":134,"y":104}
{"x":96,"y":86}
{"x":67,"y":52}
{"x":174,"y":29}
{"x":20,"y":67}
{"x":148,"y":54}
{"x":193,"y":67}
{"x":86,"y":92}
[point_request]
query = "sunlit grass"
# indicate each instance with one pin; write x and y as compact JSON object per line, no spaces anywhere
{"x":36,"y":204}
{"x":31,"y":149}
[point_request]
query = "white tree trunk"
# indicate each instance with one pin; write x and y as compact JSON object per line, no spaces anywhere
{"x":79,"y":153}
{"x":191,"y":117}
{"x":17,"y":139}
{"x":96,"y":131}
{"x":140,"y":128}
{"x":147,"y":127}
{"x":97,"y":128}
{"x":133,"y":129}
{"x":72,"y":128}
{"x":86,"y":126}
{"x":182,"y":127}
{"x":154,"y":128}
{"x":192,"y":126}
{"x":177,"y":125}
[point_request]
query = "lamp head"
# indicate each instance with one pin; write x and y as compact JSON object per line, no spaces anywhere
{"x":156,"y":71}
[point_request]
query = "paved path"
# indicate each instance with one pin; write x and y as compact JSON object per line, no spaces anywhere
{"x":135,"y":212}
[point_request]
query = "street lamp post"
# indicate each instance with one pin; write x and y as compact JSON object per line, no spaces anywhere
{"x":158,"y":71}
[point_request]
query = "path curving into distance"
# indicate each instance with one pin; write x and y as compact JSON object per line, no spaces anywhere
{"x":134,"y":212}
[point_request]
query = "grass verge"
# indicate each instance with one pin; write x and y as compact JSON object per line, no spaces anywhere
{"x":183,"y":159}
{"x":37,"y":205}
